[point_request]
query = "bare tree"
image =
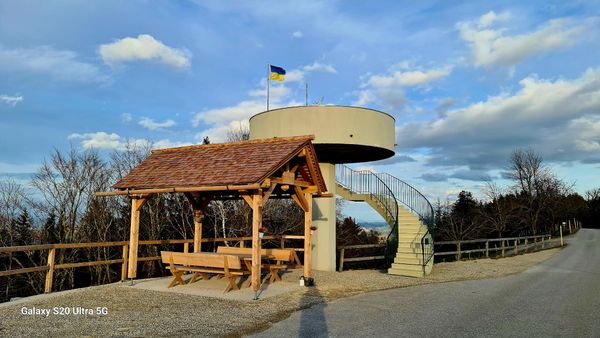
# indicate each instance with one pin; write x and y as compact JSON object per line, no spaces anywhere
{"x":239,"y":133}
{"x":536,"y":186}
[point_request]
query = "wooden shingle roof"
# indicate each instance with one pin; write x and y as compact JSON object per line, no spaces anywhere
{"x":234,"y":163}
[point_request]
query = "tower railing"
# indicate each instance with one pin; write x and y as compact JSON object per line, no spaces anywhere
{"x":387,"y":191}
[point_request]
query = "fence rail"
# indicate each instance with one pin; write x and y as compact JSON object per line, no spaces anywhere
{"x":52,"y":249}
{"x":343,"y":249}
{"x":509,"y":243}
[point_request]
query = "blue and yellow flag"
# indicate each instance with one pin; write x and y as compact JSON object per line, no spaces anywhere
{"x":277,"y":73}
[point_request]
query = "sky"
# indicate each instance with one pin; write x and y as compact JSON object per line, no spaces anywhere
{"x":467,"y":82}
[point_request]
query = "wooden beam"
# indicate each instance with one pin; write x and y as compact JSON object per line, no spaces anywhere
{"x":301,"y":200}
{"x":268,"y":193}
{"x":180,"y":189}
{"x":256,"y":225}
{"x":307,"y":235}
{"x":199,"y":203}
{"x":299,"y":183}
{"x":248,"y":200}
{"x":136,"y":206}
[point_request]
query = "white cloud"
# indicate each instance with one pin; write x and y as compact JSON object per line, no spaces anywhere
{"x":388,"y":89}
{"x":11,"y":100}
{"x":62,"y":65}
{"x":150,"y":124}
{"x":297,"y":34}
{"x":493,"y":47}
{"x":297,"y":75}
{"x":408,"y":78}
{"x":144,"y":47}
{"x":112,"y":141}
{"x":126,"y":117}
{"x":559,"y":118}
{"x":220,"y":120}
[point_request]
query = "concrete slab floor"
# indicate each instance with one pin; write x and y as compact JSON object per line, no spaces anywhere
{"x":214,"y":287}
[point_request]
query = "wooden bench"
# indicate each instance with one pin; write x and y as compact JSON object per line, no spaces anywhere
{"x":285,"y":258}
{"x":229,"y":266}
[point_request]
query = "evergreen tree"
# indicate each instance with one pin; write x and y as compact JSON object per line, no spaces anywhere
{"x":49,"y":230}
{"x":24,"y":229}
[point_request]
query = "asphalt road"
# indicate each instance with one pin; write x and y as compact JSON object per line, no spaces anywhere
{"x":558,"y":298}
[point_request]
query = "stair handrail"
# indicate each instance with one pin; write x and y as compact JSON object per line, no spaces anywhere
{"x":396,"y":190}
{"x":367,"y":182}
{"x":412,"y":198}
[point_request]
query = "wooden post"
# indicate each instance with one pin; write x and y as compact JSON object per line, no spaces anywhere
{"x":256,"y":225}
{"x":136,"y":206}
{"x":526,"y":244}
{"x":543,"y":244}
{"x":502,"y":248}
{"x":198,"y":216}
{"x":307,"y":235}
{"x":124,"y":264}
{"x":570,"y":228}
{"x":487,"y":249}
{"x":282,"y":242}
{"x":242,"y":245}
{"x":516,"y":247}
{"x":458,"y":254}
{"x":186,"y":247}
{"x":50,"y":272}
{"x":342,"y":251}
{"x":561,"y":237}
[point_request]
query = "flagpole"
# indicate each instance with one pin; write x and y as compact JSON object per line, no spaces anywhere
{"x":268,"y":83}
{"x":306,"y":93}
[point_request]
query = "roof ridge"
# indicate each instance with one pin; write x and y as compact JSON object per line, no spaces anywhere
{"x":229,"y":144}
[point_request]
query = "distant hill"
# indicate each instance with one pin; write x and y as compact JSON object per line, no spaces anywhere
{"x":382,"y":227}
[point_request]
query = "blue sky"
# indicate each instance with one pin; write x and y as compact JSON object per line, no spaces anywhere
{"x":468,"y":82}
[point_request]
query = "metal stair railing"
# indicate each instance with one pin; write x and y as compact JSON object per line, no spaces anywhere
{"x":388,"y":191}
{"x":365,"y":182}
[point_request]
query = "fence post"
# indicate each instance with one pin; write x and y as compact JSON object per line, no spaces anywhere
{"x":186,"y":247}
{"x":242,"y":245}
{"x":570,"y":228}
{"x":458,"y":254}
{"x":561,"y":237}
{"x":50,"y":272}
{"x":124,"y":265}
{"x":487,"y":249}
{"x":543,"y":244}
{"x":282,"y":242}
{"x":342,"y":259}
{"x":516,"y":247}
{"x":502,"y":248}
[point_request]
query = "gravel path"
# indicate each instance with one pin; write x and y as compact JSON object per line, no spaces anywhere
{"x":144,"y":313}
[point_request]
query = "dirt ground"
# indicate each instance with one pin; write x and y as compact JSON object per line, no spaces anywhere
{"x":119,"y":310}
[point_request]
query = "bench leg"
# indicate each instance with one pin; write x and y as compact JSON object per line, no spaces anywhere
{"x":204,"y":275}
{"x":194,"y":277}
{"x":274,"y":276}
{"x":232,"y":284}
{"x":176,"y":278}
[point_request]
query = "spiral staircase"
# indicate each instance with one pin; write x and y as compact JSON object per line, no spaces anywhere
{"x":409,"y":214}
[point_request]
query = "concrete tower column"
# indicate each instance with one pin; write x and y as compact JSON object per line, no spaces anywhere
{"x":323,"y":252}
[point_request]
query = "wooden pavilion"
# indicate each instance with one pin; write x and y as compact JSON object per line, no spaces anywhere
{"x":251,"y":170}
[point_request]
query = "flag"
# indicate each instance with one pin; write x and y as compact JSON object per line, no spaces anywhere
{"x":277,"y":73}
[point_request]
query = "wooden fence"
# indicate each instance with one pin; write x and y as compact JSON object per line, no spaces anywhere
{"x":52,"y":249}
{"x":343,"y":249}
{"x":513,"y":244}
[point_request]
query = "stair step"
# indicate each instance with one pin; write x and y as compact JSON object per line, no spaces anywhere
{"x":411,"y":261}
{"x":404,"y":272}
